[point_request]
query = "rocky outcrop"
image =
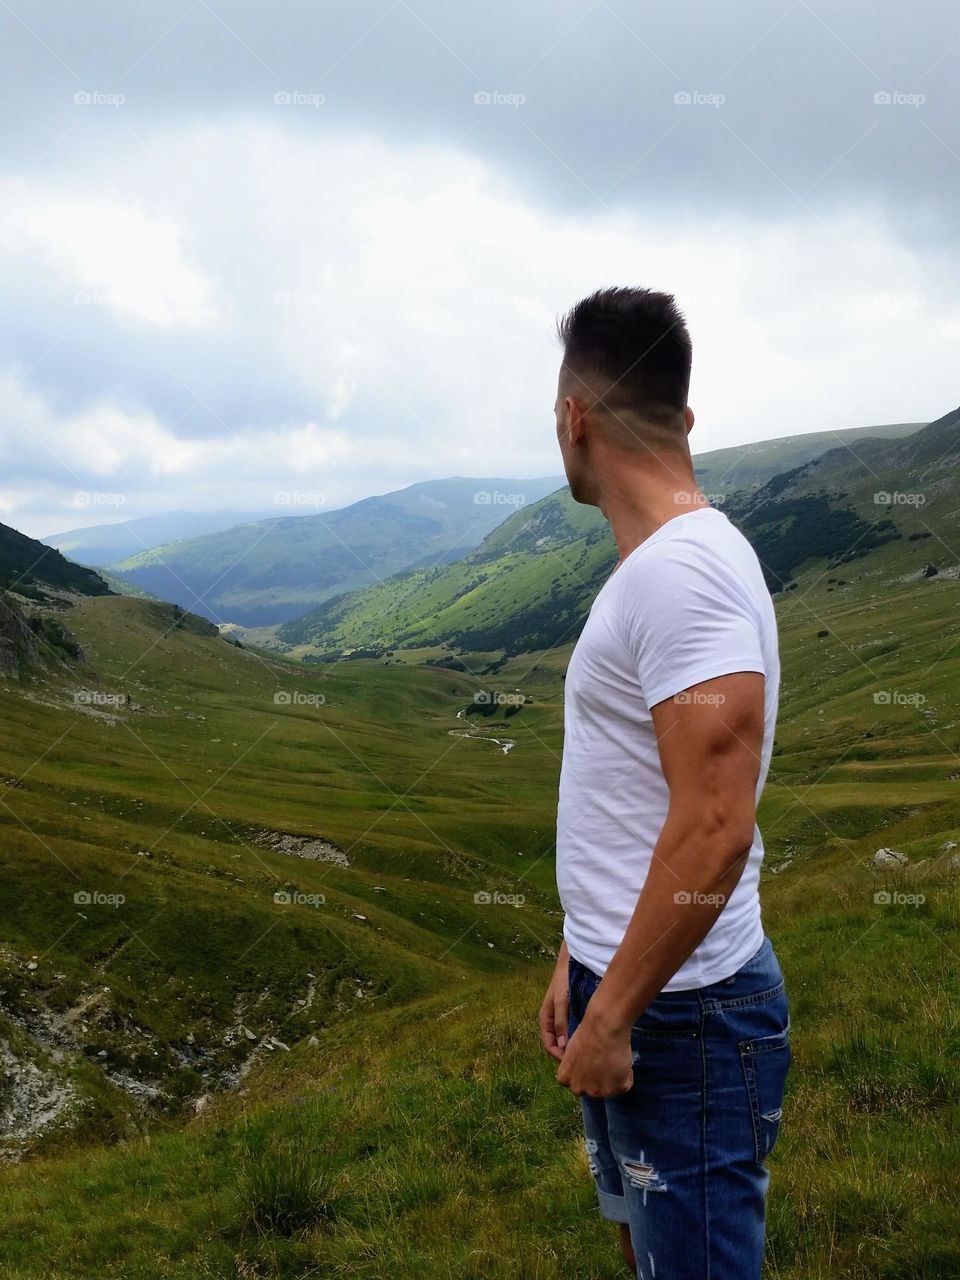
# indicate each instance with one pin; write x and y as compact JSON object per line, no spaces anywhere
{"x":18,"y":644}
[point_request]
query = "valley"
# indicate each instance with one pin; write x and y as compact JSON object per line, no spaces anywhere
{"x":274,"y":933}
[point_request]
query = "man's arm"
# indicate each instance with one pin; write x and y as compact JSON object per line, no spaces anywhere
{"x":709,"y":740}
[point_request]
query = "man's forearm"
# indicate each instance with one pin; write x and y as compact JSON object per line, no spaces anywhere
{"x":694,"y":870}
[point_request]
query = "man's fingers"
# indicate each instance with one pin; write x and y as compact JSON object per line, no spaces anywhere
{"x":548,"y":1030}
{"x":561,"y":1018}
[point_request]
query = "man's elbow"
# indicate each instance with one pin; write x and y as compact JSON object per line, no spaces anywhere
{"x":728,"y":832}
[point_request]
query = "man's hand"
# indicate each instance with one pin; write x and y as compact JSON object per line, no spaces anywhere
{"x":598,"y":1061}
{"x":555,"y":1010}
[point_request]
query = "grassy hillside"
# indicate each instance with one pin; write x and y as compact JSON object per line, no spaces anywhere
{"x":411,"y":1127}
{"x":527,"y":586}
{"x":267,"y":571}
{"x":894,"y":502}
{"x":724,"y":471}
{"x":27,"y":565}
{"x":531,"y":581}
{"x":31,"y":575}
{"x":168,"y":769}
{"x":103,"y":544}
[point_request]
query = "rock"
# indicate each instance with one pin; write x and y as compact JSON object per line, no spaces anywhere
{"x":249,"y":1034}
{"x":775,"y":871}
{"x":889,"y":858}
{"x":313,"y":1042}
{"x":32,"y":965}
{"x":954,"y":863}
{"x":949,"y":844}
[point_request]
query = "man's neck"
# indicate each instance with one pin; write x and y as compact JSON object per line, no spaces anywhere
{"x":637,"y":498}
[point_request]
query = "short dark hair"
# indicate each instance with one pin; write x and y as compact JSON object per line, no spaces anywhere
{"x":633,"y":348}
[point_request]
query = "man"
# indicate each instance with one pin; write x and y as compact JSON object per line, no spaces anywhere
{"x":666,"y":1012}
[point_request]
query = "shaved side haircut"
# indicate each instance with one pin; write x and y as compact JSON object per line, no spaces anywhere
{"x":626,"y":358}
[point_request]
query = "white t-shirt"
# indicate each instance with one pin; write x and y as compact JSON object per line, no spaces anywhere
{"x":688,"y":604}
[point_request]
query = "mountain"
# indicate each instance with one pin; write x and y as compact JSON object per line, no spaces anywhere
{"x":748,"y":466}
{"x":530,"y":583}
{"x":33,"y":574}
{"x":27,"y":565}
{"x":258,"y":573}
{"x":100,"y":545}
{"x":526,"y":587}
{"x":899,"y":495}
{"x":268,"y":571}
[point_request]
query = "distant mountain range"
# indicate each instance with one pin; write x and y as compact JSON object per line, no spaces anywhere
{"x":100,"y":545}
{"x":268,"y":571}
{"x":530,"y":583}
{"x":258,"y":573}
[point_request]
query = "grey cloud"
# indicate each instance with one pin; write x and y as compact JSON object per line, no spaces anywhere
{"x":599,"y":124}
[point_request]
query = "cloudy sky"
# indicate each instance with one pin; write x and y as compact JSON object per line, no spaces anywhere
{"x":316,"y":248}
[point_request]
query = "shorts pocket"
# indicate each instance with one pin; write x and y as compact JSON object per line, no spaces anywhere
{"x":766,"y":1061}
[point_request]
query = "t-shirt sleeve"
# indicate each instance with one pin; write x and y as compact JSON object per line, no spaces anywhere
{"x":687,"y":618}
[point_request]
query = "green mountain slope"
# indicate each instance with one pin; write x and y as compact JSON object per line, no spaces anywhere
{"x":530,"y":583}
{"x":392,"y":1114}
{"x":268,"y":571}
{"x":32,"y":575}
{"x":177,"y":783}
{"x":99,"y":545}
{"x":895,"y":502}
{"x":723,"y":471}
{"x":27,"y":563}
{"x":526,"y":587}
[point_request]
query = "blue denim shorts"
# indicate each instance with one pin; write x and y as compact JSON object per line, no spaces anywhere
{"x":680,"y":1157}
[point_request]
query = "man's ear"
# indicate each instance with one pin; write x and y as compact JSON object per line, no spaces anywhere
{"x":688,"y":418}
{"x":576,"y":418}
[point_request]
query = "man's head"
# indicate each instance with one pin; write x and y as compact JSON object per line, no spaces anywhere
{"x":623,"y":382}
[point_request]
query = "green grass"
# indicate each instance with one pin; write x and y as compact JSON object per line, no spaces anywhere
{"x":415,"y":1128}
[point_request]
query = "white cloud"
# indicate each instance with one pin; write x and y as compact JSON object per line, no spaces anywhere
{"x":111,"y":253}
{"x":403,"y":301}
